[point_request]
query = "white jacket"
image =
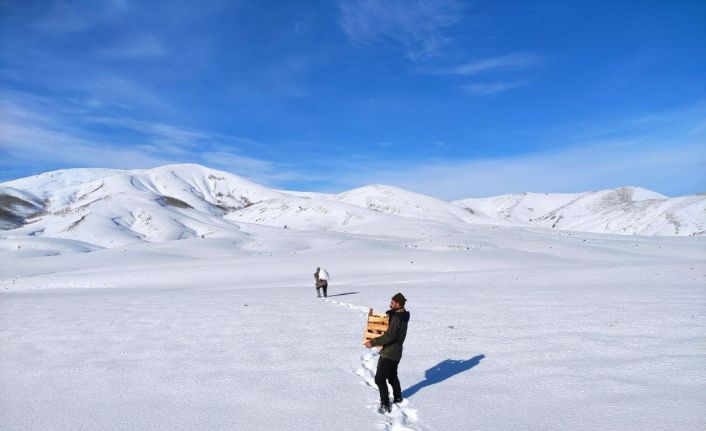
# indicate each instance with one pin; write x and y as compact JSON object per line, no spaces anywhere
{"x":323,"y":275}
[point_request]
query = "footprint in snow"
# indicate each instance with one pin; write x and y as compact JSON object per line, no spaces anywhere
{"x":351,"y":306}
{"x":402,"y":417}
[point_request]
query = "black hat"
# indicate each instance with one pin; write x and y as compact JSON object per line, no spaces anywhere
{"x":399,"y":298}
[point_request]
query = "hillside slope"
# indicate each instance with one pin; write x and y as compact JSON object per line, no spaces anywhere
{"x":112,"y":207}
{"x":625,"y":211}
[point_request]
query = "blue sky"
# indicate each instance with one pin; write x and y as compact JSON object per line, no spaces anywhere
{"x":452,"y":99}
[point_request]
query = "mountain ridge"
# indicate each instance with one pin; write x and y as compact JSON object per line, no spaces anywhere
{"x":111,"y":207}
{"x":624,"y":210}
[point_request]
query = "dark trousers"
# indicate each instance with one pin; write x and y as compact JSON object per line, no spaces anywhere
{"x":324,"y":287}
{"x":387,"y":372}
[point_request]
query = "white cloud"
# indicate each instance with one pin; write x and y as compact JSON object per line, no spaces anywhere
{"x":135,"y":47}
{"x":671,"y":161}
{"x":664,"y":170}
{"x":514,"y":61}
{"x":47,"y":139}
{"x":417,"y":26}
{"x":74,"y":17}
{"x":116,"y":90}
{"x":36,"y":138}
{"x":492,"y":88}
{"x":504,"y":65}
{"x":166,"y":137}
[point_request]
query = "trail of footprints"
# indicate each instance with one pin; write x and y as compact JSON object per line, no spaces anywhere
{"x":402,"y":417}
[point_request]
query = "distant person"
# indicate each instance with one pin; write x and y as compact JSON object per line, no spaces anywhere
{"x":391,"y":353}
{"x":322,"y":278}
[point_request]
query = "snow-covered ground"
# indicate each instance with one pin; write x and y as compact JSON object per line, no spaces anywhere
{"x":512,"y":328}
{"x":176,"y":299}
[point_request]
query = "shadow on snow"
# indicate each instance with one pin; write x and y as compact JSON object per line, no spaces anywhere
{"x":344,"y":294}
{"x":442,"y":371}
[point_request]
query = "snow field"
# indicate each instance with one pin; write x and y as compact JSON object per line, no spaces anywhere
{"x":484,"y":351}
{"x":511,"y":328}
{"x":176,"y":359}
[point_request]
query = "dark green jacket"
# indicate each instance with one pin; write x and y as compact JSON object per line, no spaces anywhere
{"x":392,"y":340}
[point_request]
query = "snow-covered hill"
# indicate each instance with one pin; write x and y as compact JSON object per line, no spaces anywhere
{"x":396,"y":201}
{"x":373,"y":209}
{"x":110,"y":207}
{"x":626,"y":211}
{"x":115,"y":207}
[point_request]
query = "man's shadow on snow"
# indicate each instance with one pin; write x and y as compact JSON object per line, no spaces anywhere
{"x":442,"y":371}
{"x":344,"y":294}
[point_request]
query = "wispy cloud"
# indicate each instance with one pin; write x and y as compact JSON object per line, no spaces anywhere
{"x":509,"y":62}
{"x":94,"y":84}
{"x":672,"y":163}
{"x":32,"y":136}
{"x":168,"y":138}
{"x":499,"y":73}
{"x":673,"y":171}
{"x":70,"y":17}
{"x":492,"y":88}
{"x":136,"y":47}
{"x":112,"y":89}
{"x":35,"y":139}
{"x":418,"y":26}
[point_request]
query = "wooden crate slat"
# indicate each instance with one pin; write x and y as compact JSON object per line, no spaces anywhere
{"x":378,"y":326}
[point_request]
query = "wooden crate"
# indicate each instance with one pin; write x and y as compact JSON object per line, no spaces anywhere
{"x":377,"y":325}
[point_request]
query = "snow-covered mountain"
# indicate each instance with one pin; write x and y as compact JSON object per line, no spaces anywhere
{"x":396,"y":201}
{"x":110,"y":207}
{"x":371,"y":209}
{"x":626,"y":210}
{"x":114,"y":207}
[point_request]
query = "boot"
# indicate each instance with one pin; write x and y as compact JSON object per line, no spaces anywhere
{"x":384,"y":408}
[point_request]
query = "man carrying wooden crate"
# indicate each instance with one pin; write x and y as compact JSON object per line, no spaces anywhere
{"x":391,"y":353}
